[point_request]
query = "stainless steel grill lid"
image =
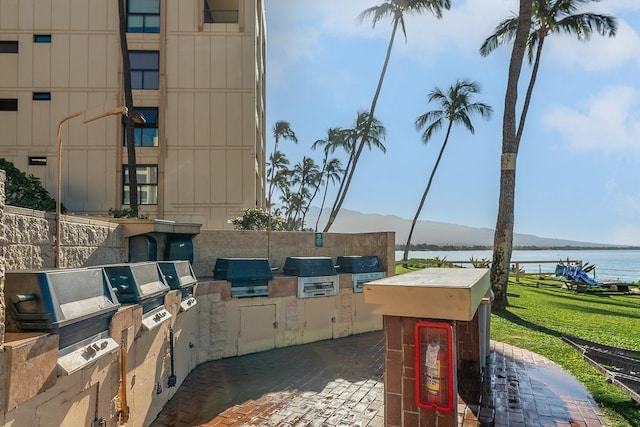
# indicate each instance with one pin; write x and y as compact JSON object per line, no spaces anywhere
{"x":141,"y":283}
{"x":76,"y":303}
{"x":136,"y":282}
{"x":179,"y":275}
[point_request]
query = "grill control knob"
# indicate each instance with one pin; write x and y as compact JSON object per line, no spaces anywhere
{"x":88,"y":352}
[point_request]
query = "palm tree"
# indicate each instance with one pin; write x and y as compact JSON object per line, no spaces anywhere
{"x":455,"y":108}
{"x":281,"y":130}
{"x":396,"y":10}
{"x":277,"y":162}
{"x":335,"y":139}
{"x":371,"y":133}
{"x":332,"y":172}
{"x":305,"y":175}
{"x":543,"y":18}
{"x":128,"y":102}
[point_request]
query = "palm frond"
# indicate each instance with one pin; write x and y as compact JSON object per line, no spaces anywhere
{"x":504,"y":33}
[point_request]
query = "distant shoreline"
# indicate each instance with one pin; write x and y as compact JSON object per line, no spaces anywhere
{"x":425,"y":247}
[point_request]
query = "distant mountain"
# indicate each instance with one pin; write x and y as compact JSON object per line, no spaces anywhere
{"x":431,"y":232}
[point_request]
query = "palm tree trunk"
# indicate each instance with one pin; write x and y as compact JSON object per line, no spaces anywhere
{"x":315,"y":191}
{"x":341,"y":195}
{"x":271,"y":185}
{"x":424,"y":195}
{"x":503,"y":237}
{"x":347,"y":171}
{"x":527,"y":98}
{"x":128,"y":102}
{"x":324,"y":198}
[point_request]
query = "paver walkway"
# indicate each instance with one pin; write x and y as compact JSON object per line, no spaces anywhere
{"x":340,"y":383}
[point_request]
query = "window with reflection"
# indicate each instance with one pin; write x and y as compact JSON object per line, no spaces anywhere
{"x":143,"y":16}
{"x":145,"y":69}
{"x":147,"y":176}
{"x":146,"y":134}
{"x":221,"y":11}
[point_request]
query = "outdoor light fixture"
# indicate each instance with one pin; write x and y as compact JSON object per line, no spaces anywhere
{"x":135,"y":117}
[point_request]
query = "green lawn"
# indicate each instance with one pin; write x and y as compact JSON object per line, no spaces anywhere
{"x":543,"y":311}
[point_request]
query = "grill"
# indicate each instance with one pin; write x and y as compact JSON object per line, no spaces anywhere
{"x":77,"y":304}
{"x":249,"y":277}
{"x":141,"y":283}
{"x":317,"y":276}
{"x":363,"y":269}
{"x":180,"y":276}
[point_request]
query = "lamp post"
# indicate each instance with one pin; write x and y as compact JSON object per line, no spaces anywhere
{"x":115,"y":111}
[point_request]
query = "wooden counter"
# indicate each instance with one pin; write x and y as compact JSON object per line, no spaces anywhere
{"x":433,"y":293}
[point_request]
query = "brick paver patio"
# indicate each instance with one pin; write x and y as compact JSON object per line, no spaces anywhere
{"x":339,"y":383}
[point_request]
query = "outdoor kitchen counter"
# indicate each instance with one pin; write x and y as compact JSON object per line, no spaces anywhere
{"x":435,"y":293}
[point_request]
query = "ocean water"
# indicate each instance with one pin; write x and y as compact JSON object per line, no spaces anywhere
{"x":618,"y":264}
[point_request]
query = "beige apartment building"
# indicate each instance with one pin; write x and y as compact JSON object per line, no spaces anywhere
{"x":198,"y":75}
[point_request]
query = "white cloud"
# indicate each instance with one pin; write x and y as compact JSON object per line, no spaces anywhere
{"x":296,"y":29}
{"x":597,"y":53}
{"x":300,"y":25}
{"x":286,"y":49}
{"x":608,"y":122}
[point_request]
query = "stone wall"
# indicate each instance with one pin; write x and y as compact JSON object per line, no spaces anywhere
{"x":3,"y":375}
{"x":28,"y":240}
{"x":278,"y":245}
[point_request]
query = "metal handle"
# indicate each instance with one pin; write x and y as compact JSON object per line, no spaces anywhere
{"x":16,"y":299}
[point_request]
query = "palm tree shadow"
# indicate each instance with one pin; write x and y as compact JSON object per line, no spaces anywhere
{"x":514,"y":318}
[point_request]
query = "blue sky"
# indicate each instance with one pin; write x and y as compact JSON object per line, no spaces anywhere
{"x":578,"y":174}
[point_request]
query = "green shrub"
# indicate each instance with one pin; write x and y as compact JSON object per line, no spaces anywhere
{"x":257,"y":219}
{"x":26,"y":191}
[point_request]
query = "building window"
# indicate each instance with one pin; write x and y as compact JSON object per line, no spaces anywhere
{"x":8,"y":46}
{"x":221,"y":11}
{"x":41,"y":96}
{"x":42,"y":38}
{"x":143,"y":16}
{"x":37,"y":161}
{"x":145,"y":69}
{"x":146,"y":134}
{"x":147,"y":176}
{"x":8,"y":104}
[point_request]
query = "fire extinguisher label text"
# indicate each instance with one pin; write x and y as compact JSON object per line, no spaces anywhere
{"x":432,"y":363}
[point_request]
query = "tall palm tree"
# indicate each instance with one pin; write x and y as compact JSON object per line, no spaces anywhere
{"x":455,"y":108}
{"x":396,"y":10}
{"x":545,"y":17}
{"x":281,"y":130}
{"x":370,"y":132}
{"x":128,"y":102}
{"x":549,"y":17}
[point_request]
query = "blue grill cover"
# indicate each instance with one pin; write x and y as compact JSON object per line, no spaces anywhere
{"x":359,"y":264}
{"x":309,"y":266}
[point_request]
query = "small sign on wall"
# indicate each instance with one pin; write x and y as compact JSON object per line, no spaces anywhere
{"x":318,"y":239}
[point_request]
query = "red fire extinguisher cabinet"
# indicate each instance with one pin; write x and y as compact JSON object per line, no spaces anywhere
{"x":434,"y":366}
